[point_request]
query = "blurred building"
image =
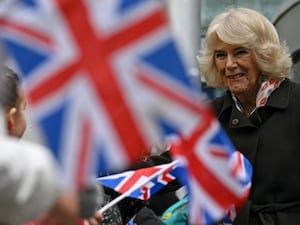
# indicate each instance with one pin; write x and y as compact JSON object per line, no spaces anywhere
{"x":288,"y":27}
{"x":211,"y":8}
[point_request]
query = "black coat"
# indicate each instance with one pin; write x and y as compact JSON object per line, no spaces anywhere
{"x":270,"y":139}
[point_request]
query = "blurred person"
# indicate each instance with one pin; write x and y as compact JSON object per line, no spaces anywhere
{"x":259,"y":110}
{"x":31,"y":184}
{"x":13,"y":102}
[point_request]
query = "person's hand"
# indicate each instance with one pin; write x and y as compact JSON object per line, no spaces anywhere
{"x":95,"y":220}
{"x":65,"y":210}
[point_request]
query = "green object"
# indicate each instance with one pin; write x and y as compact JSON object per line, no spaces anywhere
{"x":177,"y":213}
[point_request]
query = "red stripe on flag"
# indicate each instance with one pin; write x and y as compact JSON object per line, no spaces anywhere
{"x":238,"y":165}
{"x":207,"y":180}
{"x":52,"y":84}
{"x":136,"y":31}
{"x":145,"y":191}
{"x":147,"y":172}
{"x":217,"y":153}
{"x":210,"y":183}
{"x":166,"y":177}
{"x":38,"y":37}
{"x":83,"y":154}
{"x":176,"y":97}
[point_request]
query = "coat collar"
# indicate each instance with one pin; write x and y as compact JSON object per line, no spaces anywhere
{"x":278,"y":99}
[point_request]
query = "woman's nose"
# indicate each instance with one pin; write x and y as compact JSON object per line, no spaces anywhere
{"x":230,"y":63}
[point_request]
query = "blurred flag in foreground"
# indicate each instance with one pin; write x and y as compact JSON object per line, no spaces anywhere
{"x":218,"y":176}
{"x":104,"y":79}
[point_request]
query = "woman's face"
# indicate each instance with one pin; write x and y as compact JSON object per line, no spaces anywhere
{"x":237,"y":67}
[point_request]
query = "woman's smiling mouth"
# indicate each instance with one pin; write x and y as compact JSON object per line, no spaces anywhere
{"x":235,"y":76}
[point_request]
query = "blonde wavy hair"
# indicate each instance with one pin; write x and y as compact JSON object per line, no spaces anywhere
{"x":250,"y":29}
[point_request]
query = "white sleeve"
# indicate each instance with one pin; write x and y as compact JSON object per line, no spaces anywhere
{"x":29,"y":181}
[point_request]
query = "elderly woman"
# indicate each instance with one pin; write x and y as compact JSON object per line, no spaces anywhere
{"x":259,"y":110}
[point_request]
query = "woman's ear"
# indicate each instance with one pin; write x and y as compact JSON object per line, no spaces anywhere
{"x":10,"y":119}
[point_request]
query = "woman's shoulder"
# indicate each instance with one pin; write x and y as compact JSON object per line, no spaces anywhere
{"x":294,"y":88}
{"x":218,"y":100}
{"x":218,"y":103}
{"x":294,"y":84}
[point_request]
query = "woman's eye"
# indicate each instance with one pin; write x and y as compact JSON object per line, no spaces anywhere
{"x":241,"y":52}
{"x":220,"y":55}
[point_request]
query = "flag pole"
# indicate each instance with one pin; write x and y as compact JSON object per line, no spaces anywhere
{"x":127,"y":193}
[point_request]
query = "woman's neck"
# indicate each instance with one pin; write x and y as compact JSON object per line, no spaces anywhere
{"x":249,"y":108}
{"x":248,"y":102}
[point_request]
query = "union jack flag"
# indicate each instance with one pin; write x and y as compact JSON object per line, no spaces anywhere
{"x":219,"y":177}
{"x":103,"y":78}
{"x":141,"y":183}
